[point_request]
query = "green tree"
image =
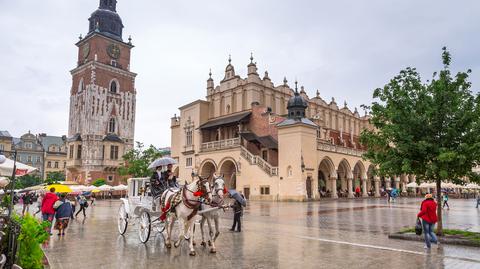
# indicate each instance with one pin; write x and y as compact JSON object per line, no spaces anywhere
{"x":26,"y":181}
{"x":429,"y":130}
{"x":98,"y":182}
{"x":138,"y":159}
{"x":54,"y":177}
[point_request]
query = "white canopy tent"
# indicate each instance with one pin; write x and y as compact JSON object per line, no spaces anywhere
{"x":6,"y":168}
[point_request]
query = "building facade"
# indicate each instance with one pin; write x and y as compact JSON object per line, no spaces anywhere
{"x":245,"y":131}
{"x":55,"y":153}
{"x":6,"y":141}
{"x":30,"y":151}
{"x":102,"y":100}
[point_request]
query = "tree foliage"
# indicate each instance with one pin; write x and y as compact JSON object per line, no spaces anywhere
{"x":138,"y":159}
{"x":99,"y":182}
{"x":429,"y":130}
{"x":25,"y":181}
{"x":54,"y":177}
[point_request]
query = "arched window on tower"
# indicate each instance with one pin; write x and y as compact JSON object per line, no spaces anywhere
{"x":80,"y":85}
{"x":111,"y":125}
{"x":113,"y":86}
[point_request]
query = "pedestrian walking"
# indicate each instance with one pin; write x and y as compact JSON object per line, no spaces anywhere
{"x":63,"y":214}
{"x":82,"y":201}
{"x":92,"y":198}
{"x":27,"y":201}
{"x":357,"y":191}
{"x":48,"y":211}
{"x":428,"y":214}
{"x":73,"y":201}
{"x":39,"y":203}
{"x":445,"y":200}
{"x":478,"y":201}
{"x":237,"y":215}
{"x":388,"y":191}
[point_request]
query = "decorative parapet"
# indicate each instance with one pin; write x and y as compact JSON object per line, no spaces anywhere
{"x":221,"y":144}
{"x":325,"y":146}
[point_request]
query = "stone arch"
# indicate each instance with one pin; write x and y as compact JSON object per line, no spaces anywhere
{"x":344,"y":172}
{"x":228,"y":169}
{"x":326,"y":170}
{"x":208,"y":168}
{"x":359,"y":174}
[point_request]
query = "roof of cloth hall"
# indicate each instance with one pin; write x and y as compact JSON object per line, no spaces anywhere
{"x":235,"y":118}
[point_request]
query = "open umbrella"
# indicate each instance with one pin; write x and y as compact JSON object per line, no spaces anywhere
{"x":120,"y":187}
{"x":237,"y":196}
{"x":34,"y":188}
{"x":59,"y":188}
{"x":104,"y":188}
{"x":162,"y":162}
{"x":6,"y":168}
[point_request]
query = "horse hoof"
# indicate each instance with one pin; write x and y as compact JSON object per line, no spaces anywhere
{"x":194,"y":243}
{"x":213,"y":250}
{"x":168,"y":245}
{"x":203,"y":244}
{"x":193,"y":253}
{"x":209,"y":243}
{"x":176,"y":245}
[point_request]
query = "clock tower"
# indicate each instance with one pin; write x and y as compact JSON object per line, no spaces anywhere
{"x":102,"y":100}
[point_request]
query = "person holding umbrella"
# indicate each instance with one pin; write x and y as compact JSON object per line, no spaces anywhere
{"x":237,"y":209}
{"x":170,"y":178}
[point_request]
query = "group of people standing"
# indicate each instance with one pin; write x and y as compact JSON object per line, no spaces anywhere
{"x":61,"y":209}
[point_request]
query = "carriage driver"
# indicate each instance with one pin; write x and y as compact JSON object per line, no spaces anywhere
{"x":170,"y":178}
{"x":157,"y":182}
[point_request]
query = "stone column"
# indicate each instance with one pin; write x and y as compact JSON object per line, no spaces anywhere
{"x":397,"y":183}
{"x":350,"y":187}
{"x":377,"y":186}
{"x":364,"y":187}
{"x":404,"y":179}
{"x":334,"y":187}
{"x":388,"y":182}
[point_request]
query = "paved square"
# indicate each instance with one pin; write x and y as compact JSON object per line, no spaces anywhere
{"x":325,"y":234}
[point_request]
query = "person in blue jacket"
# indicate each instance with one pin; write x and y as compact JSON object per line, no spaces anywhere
{"x":63,"y":213}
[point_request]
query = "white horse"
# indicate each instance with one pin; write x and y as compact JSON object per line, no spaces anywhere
{"x":216,"y":202}
{"x":185,"y":210}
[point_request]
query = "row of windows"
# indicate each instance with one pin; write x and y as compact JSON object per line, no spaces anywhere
{"x":114,"y":86}
{"x":113,"y":152}
{"x":265,"y":190}
{"x":49,"y":164}
{"x":29,"y":159}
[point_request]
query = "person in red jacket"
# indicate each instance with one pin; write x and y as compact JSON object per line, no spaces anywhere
{"x":428,"y":214}
{"x":47,"y":207}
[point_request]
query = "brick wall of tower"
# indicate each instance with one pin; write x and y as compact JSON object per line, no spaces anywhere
{"x":98,"y":46}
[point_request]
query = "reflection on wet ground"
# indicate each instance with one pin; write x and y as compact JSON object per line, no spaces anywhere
{"x":325,"y":234}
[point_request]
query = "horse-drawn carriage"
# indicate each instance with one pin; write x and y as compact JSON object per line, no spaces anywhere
{"x":139,"y":208}
{"x":200,"y":197}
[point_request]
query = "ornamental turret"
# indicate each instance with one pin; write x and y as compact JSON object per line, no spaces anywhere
{"x":296,"y":105}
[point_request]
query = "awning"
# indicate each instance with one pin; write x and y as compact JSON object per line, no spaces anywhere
{"x":226,"y":120}
{"x":266,"y":141}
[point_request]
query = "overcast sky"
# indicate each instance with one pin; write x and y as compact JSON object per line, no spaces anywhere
{"x":345,"y":49}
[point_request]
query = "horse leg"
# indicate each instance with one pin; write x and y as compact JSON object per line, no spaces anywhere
{"x":181,"y":236}
{"x":213,"y":249}
{"x":202,"y":223}
{"x":168,"y":221}
{"x":187,"y":231}
{"x":210,"y":233}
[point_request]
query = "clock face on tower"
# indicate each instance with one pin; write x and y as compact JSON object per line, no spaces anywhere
{"x":113,"y":51}
{"x":86,"y":50}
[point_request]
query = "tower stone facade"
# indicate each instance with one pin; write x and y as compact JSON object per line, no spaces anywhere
{"x":102,"y":100}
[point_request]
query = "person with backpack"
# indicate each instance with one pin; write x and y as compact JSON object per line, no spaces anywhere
{"x":48,"y":212}
{"x":445,"y":200}
{"x":63,"y":212}
{"x":82,"y":201}
{"x":27,"y":201}
{"x":428,"y":214}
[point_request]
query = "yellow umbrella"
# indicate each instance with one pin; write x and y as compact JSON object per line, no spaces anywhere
{"x":59,"y":188}
{"x":95,"y":191}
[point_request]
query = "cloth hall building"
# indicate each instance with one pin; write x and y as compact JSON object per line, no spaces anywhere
{"x":274,"y":142}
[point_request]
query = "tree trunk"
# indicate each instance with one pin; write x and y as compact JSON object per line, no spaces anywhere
{"x":439,"y":207}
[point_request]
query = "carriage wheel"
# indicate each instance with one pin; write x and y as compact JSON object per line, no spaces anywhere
{"x":122,"y":220}
{"x":144,"y":227}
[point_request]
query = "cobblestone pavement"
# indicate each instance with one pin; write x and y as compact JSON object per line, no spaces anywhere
{"x":325,"y":234}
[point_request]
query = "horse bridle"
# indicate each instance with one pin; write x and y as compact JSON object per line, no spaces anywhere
{"x":215,"y":194}
{"x":190,"y":203}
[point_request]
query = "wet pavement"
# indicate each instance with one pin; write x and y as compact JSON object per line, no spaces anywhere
{"x":325,"y":234}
